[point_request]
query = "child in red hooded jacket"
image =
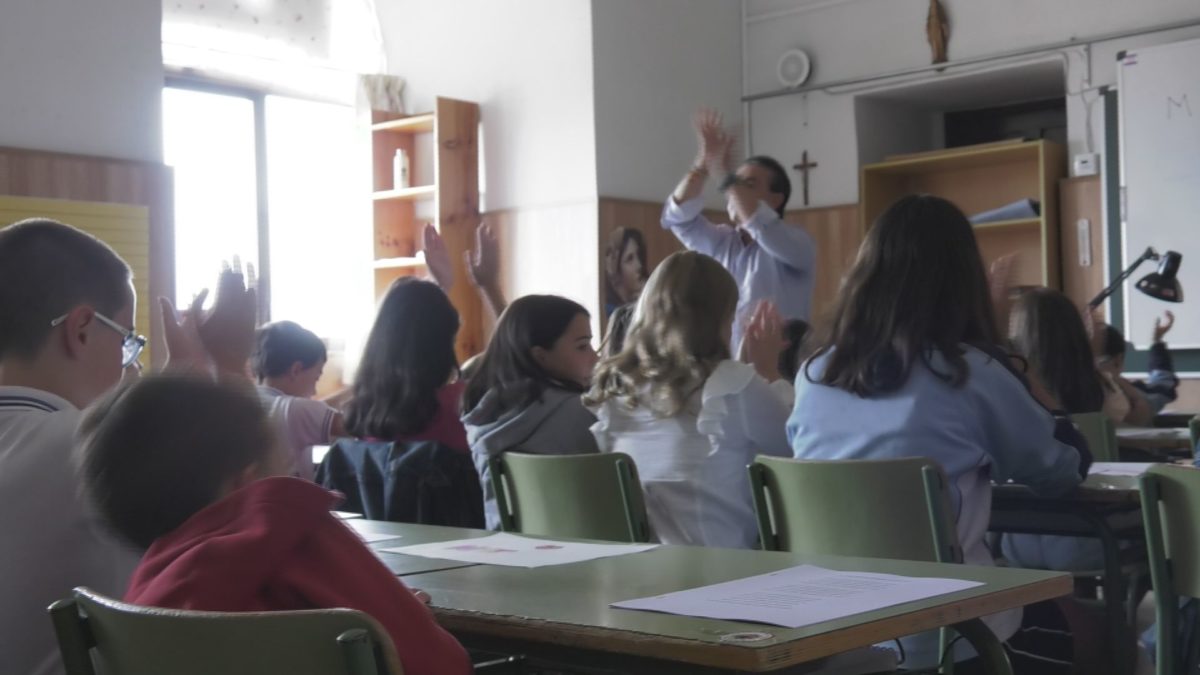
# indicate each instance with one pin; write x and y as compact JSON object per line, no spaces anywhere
{"x":175,"y":464}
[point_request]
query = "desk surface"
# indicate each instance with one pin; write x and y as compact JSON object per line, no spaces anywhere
{"x":568,"y":605}
{"x":408,"y":534}
{"x":1094,"y":491}
{"x":1152,"y":438}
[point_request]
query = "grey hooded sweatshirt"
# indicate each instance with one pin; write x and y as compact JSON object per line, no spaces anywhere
{"x":556,"y":424}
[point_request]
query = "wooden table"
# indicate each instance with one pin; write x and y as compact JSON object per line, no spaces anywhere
{"x":1107,"y":508}
{"x":407,"y":534}
{"x":1172,"y":441}
{"x":561,"y":614}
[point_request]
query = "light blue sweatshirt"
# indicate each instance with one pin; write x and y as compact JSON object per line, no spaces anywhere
{"x":988,"y":429}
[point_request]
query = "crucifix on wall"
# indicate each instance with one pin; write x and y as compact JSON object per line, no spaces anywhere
{"x":803,"y":167}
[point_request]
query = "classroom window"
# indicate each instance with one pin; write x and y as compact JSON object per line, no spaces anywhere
{"x":208,"y":138}
{"x":275,"y":181}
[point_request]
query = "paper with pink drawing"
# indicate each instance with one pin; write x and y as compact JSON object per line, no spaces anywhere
{"x":517,"y":551}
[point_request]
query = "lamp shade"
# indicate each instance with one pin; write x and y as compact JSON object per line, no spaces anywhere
{"x":1162,"y":284}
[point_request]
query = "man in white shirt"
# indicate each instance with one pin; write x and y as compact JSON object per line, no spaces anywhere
{"x":66,"y":305}
{"x":771,"y":260}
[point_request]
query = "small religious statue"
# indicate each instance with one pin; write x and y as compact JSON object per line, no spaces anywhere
{"x":937,"y":29}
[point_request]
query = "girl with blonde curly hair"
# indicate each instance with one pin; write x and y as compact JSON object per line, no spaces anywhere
{"x":689,"y":415}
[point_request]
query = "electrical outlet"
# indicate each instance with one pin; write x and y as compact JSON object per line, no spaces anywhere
{"x":1085,"y":164}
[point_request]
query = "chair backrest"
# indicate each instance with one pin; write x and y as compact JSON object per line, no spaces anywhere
{"x":892,"y":508}
{"x":594,"y":496}
{"x":408,"y":482}
{"x":1170,"y":502}
{"x":99,"y":634}
{"x":1194,"y":433}
{"x":1101,"y":435}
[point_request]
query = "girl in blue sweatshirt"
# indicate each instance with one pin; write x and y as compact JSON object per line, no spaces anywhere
{"x":911,"y":367}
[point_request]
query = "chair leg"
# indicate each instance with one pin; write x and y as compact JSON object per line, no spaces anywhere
{"x":359,"y":652}
{"x":991,"y":653}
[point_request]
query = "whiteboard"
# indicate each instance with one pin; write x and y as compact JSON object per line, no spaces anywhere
{"x":1159,"y":91}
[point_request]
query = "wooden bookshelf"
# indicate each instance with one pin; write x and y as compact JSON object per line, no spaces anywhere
{"x":444,"y":192}
{"x":977,"y":179}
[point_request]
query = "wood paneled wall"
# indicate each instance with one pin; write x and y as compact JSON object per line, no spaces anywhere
{"x":1078,"y":199}
{"x":835,"y":229}
{"x":838,"y":234}
{"x":50,"y":175}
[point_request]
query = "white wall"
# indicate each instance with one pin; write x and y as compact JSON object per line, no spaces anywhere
{"x":82,"y":77}
{"x":856,"y":38}
{"x":656,"y":62}
{"x":528,"y":63}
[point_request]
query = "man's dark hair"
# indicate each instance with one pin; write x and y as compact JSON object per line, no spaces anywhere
{"x":46,"y":269}
{"x":279,"y":344}
{"x":156,"y":452}
{"x":780,"y":183}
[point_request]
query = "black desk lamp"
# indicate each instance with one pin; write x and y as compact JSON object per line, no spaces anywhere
{"x":1161,"y":285}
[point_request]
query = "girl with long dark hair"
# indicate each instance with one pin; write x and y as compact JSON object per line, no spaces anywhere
{"x":912,"y":368}
{"x":524,"y":394}
{"x":406,"y":388}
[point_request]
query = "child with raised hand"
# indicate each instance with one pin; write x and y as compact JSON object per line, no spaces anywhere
{"x":524,"y":395}
{"x":689,"y":415}
{"x":1136,"y":402}
{"x":286,"y":363}
{"x":66,"y":315}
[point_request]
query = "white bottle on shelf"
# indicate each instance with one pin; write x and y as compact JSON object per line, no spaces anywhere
{"x":400,"y":169}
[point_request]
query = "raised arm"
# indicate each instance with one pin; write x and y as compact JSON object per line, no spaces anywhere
{"x":484,"y":268}
{"x":682,"y":212}
{"x":786,"y":243}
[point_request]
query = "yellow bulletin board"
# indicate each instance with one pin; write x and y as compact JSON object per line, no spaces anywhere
{"x":124,"y":227}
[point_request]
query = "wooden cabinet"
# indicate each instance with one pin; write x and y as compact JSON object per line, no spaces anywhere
{"x":981,"y":178}
{"x":443,"y":189}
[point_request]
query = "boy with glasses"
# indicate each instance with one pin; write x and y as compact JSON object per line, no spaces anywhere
{"x":66,"y":307}
{"x":66,"y":299}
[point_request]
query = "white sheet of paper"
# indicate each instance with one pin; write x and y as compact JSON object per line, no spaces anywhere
{"x":1151,"y":433}
{"x":517,"y":551}
{"x":372,"y":537}
{"x":1119,"y":468}
{"x":798,"y":596}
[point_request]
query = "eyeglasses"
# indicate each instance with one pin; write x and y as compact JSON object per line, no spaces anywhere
{"x":734,"y":179}
{"x":132,"y":344}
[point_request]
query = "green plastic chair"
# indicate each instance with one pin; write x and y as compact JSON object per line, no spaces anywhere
{"x":99,"y":634}
{"x":594,"y":496}
{"x":1194,"y":432}
{"x":1170,"y":502}
{"x":817,"y":508}
{"x":1101,"y":435}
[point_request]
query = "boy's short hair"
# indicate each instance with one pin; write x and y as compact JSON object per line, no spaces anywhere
{"x":279,"y":344}
{"x":159,"y":450}
{"x":46,"y":269}
{"x":1114,"y":343}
